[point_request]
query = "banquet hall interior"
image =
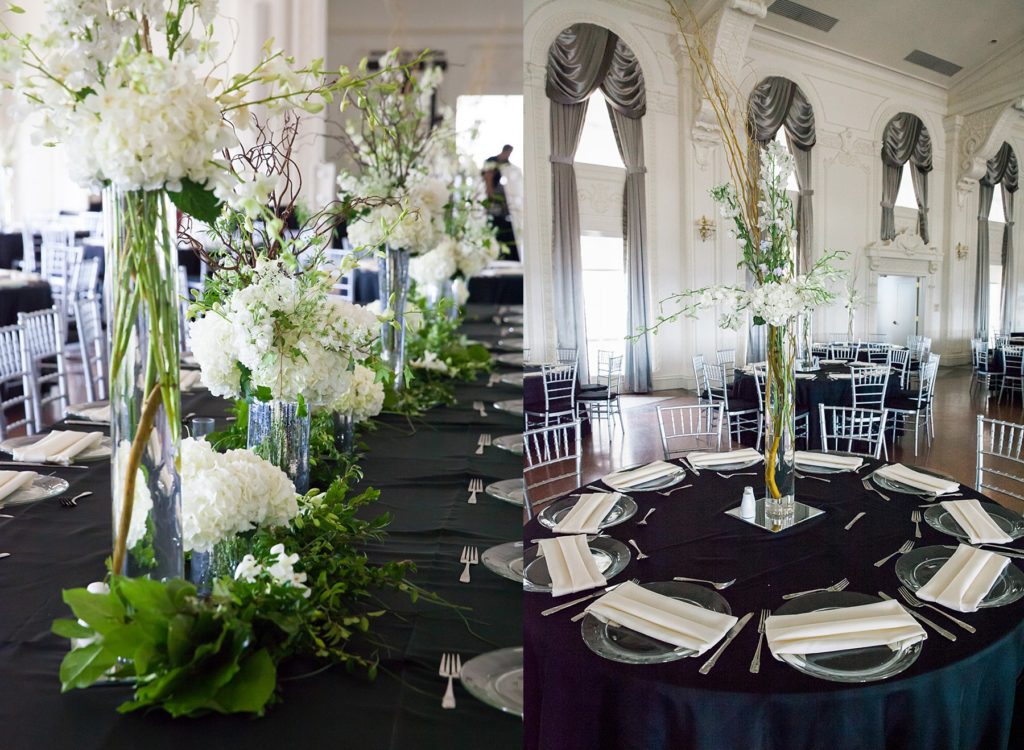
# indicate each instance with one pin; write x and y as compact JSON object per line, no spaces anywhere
{"x":772,"y":346}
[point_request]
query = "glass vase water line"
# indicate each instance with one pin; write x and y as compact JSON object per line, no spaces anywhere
{"x":279,"y":432}
{"x":780,"y":423}
{"x":145,"y":393}
{"x":393,"y":278}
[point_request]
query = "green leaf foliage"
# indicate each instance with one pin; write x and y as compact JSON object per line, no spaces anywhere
{"x":197,"y":201}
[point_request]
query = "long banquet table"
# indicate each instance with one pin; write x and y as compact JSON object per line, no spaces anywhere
{"x":956,"y":696}
{"x":422,"y":468}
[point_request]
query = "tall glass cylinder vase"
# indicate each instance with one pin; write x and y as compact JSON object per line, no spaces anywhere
{"x":206,"y":567}
{"x":780,"y":424}
{"x":145,"y":393}
{"x":805,"y":359}
{"x":279,"y":432}
{"x":344,"y":432}
{"x":393,"y":275}
{"x":851,"y":314}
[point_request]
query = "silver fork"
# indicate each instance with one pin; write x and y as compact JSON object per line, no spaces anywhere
{"x":915,"y":516}
{"x":674,"y":489}
{"x":921,"y":618}
{"x":866,"y":481}
{"x":837,"y":586}
{"x":469,"y":556}
{"x":451,"y":667}
{"x":811,"y":476}
{"x":718,"y":585}
{"x":643,"y":521}
{"x":475,"y":486}
{"x":913,"y":601}
{"x":736,"y":474}
{"x":755,"y":664}
{"x":482,"y":442}
{"x":71,"y":502}
{"x":639,"y":554}
{"x":904,"y":548}
{"x":479,"y":406}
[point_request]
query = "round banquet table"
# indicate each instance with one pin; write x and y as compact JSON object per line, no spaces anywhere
{"x":26,"y":296}
{"x":811,"y":391}
{"x":957,"y":695}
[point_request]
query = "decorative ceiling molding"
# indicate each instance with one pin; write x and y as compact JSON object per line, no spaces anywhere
{"x":980,"y":135}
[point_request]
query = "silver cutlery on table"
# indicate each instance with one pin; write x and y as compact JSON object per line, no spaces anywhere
{"x":643,"y":521}
{"x":837,"y":586}
{"x":736,"y":474}
{"x":482,"y":442}
{"x":494,"y":378}
{"x":866,"y":481}
{"x":1018,"y":554}
{"x":904,"y":548}
{"x":855,"y":519}
{"x":4,"y":554}
{"x":913,"y":601}
{"x":6,"y":515}
{"x":735,"y":631}
{"x":88,"y":422}
{"x":718,"y":585}
{"x":475,"y":486}
{"x":689,"y":465}
{"x":592,"y":595}
{"x":915,"y":517}
{"x":674,"y":489}
{"x":451,"y":667}
{"x":43,"y":466}
{"x":469,"y":556}
{"x":811,"y":476}
{"x":755,"y":663}
{"x":479,"y":406}
{"x":639,"y":554}
{"x":921,"y":618}
{"x":71,"y":502}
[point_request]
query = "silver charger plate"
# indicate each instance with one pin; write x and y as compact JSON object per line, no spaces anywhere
{"x":98,"y":453}
{"x":623,"y":510}
{"x":510,"y":490}
{"x":851,"y":665}
{"x":610,"y":555}
{"x":916,"y":568}
{"x":512,"y":406}
{"x":905,"y":489}
{"x":42,"y":488}
{"x":512,"y":378}
{"x":1009,"y":522}
{"x":78,"y":410}
{"x":661,"y":483}
{"x":510,"y":443}
{"x":496,"y":678}
{"x":630,"y":647}
{"x":512,"y":359}
{"x":505,"y":560}
{"x":811,"y":469}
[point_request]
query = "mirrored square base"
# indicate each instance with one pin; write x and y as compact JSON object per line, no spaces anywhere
{"x":773,"y":524}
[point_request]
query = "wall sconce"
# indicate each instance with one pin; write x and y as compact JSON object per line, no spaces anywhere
{"x":961,"y":251}
{"x":705,"y":228}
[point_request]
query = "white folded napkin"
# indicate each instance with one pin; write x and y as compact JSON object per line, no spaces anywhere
{"x":975,"y":520}
{"x":623,"y":480}
{"x":191,"y":379}
{"x":829,"y":460}
{"x":701,"y":459}
{"x":806,"y":375}
{"x":964,"y":579}
{"x":680,"y":624}
{"x":12,"y":481}
{"x":570,"y":564}
{"x":586,"y":515}
{"x":58,"y":447}
{"x":917,"y":480}
{"x":840,"y":375}
{"x":831,"y":361}
{"x":879,"y":624}
{"x":94,"y":413}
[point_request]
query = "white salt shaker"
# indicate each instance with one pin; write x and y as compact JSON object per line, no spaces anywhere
{"x":747,"y":505}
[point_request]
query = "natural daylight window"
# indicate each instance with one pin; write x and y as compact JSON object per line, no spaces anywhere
{"x":906,"y":197}
{"x":486,"y":123}
{"x":597,"y":142}
{"x":791,"y":184}
{"x":604,"y":295}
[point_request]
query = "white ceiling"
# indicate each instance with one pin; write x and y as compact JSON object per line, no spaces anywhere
{"x":886,"y":31}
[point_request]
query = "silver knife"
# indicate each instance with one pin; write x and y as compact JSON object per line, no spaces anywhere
{"x":735,"y":631}
{"x":938,"y":628}
{"x":560,"y":607}
{"x":690,"y":466}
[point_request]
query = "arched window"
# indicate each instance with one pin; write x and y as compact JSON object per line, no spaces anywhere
{"x":905,"y":139}
{"x":1002,"y":174}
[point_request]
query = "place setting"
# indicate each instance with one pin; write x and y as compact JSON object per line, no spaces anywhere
{"x":913,"y":481}
{"x":59,"y":447}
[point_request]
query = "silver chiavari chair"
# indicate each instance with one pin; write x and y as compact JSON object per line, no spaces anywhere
{"x":845,"y":352}
{"x":93,"y":343}
{"x":857,"y":431}
{"x":15,"y":378}
{"x":726,"y":358}
{"x":741,"y":416}
{"x":28,"y":249}
{"x":686,"y":428}
{"x":60,"y":267}
{"x":898,"y":361}
{"x":911,"y":411}
{"x":985,"y":372}
{"x":878,"y":354}
{"x":1000,"y":453}
{"x":869,"y":385}
{"x":552,"y":457}
{"x":566,"y":355}
{"x":42,"y":344}
{"x":604,"y":402}
{"x":700,"y":376}
{"x":1012,"y":378}
{"x":559,"y":384}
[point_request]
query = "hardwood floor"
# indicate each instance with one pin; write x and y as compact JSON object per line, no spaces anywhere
{"x":952,"y":451}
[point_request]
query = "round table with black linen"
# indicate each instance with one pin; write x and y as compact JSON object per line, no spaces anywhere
{"x":956,"y":696}
{"x":25,"y":297}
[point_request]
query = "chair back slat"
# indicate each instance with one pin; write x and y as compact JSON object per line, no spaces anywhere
{"x":684,"y":427}
{"x":869,"y":386}
{"x":15,"y":384}
{"x":42,"y":345}
{"x":1000,"y":453}
{"x":552,"y":456}
{"x":89,"y":323}
{"x":850,"y":430}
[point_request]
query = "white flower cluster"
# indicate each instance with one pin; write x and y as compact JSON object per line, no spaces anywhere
{"x":288,"y":332}
{"x":223,"y":494}
{"x":364,"y":397}
{"x":437,"y":266}
{"x":430,"y":362}
{"x":281,"y":571}
{"x":415,"y":224}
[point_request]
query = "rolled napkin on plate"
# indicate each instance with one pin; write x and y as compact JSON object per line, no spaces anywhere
{"x":191,"y":379}
{"x":663,"y":618}
{"x":586,"y":515}
{"x":702,"y":459}
{"x":570,"y":565}
{"x":917,"y":480}
{"x":975,"y":521}
{"x":623,"y":480}
{"x":58,"y":447}
{"x":12,"y":481}
{"x":964,"y":579}
{"x":828,"y":460}
{"x":879,"y":624}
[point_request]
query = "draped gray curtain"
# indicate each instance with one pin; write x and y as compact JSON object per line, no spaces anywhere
{"x":627,"y":103}
{"x":582,"y":58}
{"x":905,"y":139}
{"x":778,"y":102}
{"x":981,"y":269}
{"x":578,"y":61}
{"x":1003,"y":171}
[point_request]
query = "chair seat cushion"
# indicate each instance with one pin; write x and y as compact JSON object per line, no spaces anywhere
{"x":602,"y":395}
{"x":742,"y":404}
{"x":902,"y":403}
{"x":593,"y":387}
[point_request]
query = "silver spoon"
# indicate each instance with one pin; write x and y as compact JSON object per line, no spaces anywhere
{"x":639,"y":554}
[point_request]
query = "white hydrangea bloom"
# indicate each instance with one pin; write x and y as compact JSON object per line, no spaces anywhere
{"x":364,"y":397}
{"x":436,"y":266}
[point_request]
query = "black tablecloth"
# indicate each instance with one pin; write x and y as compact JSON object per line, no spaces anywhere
{"x":956,"y":696}
{"x":505,"y":289}
{"x":422,"y":468}
{"x":10,"y":249}
{"x":26,"y":298}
